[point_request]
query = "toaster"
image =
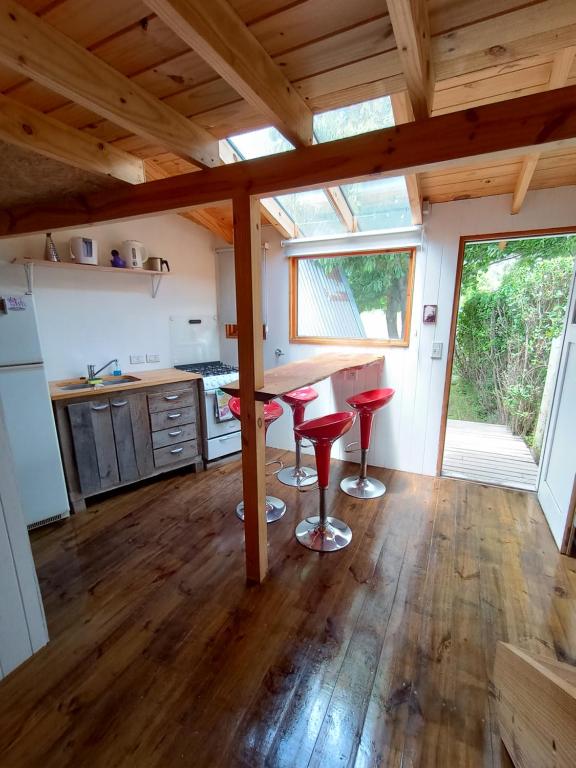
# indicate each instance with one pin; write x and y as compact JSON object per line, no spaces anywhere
{"x":84,"y":250}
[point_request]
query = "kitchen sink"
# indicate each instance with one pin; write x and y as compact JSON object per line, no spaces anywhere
{"x":107,"y":381}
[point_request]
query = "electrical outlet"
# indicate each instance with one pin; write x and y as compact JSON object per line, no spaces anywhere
{"x":437,"y":348}
{"x":136,"y":359}
{"x":153,"y":358}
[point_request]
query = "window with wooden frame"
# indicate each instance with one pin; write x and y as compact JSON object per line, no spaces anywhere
{"x":357,"y":298}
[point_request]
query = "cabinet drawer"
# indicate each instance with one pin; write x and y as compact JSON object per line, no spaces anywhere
{"x":173,"y":435}
{"x":175,"y":454}
{"x":166,"y":401}
{"x":172,"y":418}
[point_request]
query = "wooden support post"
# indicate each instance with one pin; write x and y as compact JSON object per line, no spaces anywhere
{"x":247,"y":263}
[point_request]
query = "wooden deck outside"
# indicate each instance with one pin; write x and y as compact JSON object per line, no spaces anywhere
{"x":488,"y":453}
{"x":379,"y":655}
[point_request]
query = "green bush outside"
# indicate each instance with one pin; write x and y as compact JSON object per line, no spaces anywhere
{"x":504,"y":334}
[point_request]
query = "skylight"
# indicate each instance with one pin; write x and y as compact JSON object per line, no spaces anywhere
{"x":266,"y":141}
{"x":378,"y":204}
{"x":353,"y":120}
{"x":312,"y":213}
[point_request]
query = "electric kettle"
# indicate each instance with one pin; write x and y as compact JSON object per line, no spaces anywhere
{"x":134,"y":254}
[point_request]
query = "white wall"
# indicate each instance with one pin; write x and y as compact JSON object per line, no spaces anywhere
{"x":90,"y":318}
{"x":406,"y":432}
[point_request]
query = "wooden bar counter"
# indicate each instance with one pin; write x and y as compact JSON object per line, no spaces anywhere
{"x":302,"y":373}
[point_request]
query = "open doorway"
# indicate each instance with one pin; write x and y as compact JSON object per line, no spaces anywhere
{"x":507,"y":338}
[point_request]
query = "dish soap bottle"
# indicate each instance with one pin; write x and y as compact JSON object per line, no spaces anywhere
{"x":50,"y":252}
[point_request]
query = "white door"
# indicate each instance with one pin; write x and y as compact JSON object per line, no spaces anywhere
{"x":558,"y":463}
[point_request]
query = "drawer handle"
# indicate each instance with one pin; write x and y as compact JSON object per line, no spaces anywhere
{"x":176,"y":450}
{"x":175,"y":432}
{"x":100,"y":407}
{"x":228,"y":437}
{"x":171,"y":397}
{"x":174,"y":415}
{"x":120,"y":403}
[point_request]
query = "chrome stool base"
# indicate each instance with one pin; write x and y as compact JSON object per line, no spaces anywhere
{"x":363,"y":488}
{"x":275,"y":509}
{"x":297,"y":477}
{"x":333,"y":536}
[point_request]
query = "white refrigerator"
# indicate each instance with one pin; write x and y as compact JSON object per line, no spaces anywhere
{"x":28,"y":414}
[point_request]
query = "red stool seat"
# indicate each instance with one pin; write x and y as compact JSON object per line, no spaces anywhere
{"x":298,"y":476}
{"x":272,"y":410}
{"x":366,"y":403}
{"x":275,"y":507}
{"x":323,"y":533}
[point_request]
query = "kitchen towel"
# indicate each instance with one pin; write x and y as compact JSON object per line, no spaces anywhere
{"x":221,"y":407}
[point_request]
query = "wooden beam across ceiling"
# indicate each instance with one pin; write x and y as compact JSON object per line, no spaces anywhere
{"x":30,"y":129}
{"x":561,"y":66}
{"x":34,"y":48}
{"x":532,"y":122}
{"x":412,"y":33}
{"x":215,"y":32}
{"x":402,"y":110}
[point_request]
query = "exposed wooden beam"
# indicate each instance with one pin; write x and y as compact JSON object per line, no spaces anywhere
{"x":30,"y":129}
{"x":532,"y":122}
{"x":412,"y":34}
{"x":37,"y":50}
{"x":342,"y":209}
{"x":270,"y":210}
{"x":247,"y":263}
{"x":561,"y":66}
{"x":403,"y":113}
{"x":213,"y":29}
{"x":529,"y":163}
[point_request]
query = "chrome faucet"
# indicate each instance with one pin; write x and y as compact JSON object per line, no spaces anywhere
{"x":92,"y":374}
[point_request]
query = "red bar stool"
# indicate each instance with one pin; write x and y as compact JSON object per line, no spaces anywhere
{"x":275,"y":507}
{"x":365,"y":403}
{"x":298,"y":475}
{"x":322,"y":533}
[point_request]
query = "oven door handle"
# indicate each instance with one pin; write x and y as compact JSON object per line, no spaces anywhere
{"x":227,"y":437}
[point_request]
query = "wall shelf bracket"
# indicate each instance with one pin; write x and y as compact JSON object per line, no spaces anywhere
{"x":155,"y":281}
{"x":29,"y":271}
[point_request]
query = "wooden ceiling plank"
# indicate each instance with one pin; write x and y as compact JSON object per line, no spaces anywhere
{"x":412,"y":33}
{"x":217,"y":225}
{"x":32,"y":130}
{"x":32,"y":47}
{"x":216,"y":32}
{"x":545,"y":120}
{"x":402,"y":111}
{"x":540,"y":29}
{"x":561,"y":66}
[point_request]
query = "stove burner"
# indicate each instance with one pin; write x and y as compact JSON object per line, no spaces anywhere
{"x":214,"y":368}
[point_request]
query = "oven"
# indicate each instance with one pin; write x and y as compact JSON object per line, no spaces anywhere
{"x":220,"y":437}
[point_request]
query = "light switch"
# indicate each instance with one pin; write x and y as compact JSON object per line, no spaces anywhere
{"x":437,"y":348}
{"x":136,"y":359}
{"x":153,"y":358}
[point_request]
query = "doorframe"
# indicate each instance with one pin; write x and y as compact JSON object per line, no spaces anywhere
{"x":464,"y":240}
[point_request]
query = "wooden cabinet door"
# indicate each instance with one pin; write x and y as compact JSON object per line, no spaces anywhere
{"x":94,"y":446}
{"x":132,"y":436}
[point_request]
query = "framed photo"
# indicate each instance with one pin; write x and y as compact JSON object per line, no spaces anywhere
{"x":430,"y":313}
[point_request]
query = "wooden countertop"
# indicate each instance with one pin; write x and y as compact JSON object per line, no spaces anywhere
{"x":145,"y":379}
{"x":285,"y":378}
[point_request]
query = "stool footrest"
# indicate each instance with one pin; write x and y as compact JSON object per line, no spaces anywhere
{"x":297,"y":478}
{"x":275,"y":509}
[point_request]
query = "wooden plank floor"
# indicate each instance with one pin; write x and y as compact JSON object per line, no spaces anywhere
{"x":378,"y":655}
{"x":488,"y":453}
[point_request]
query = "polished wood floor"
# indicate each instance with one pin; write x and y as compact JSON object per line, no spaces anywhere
{"x":379,"y":655}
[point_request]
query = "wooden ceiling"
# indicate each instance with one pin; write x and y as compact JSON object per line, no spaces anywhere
{"x":139,"y":89}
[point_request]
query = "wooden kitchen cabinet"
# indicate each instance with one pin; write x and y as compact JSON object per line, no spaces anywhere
{"x":108,"y":442}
